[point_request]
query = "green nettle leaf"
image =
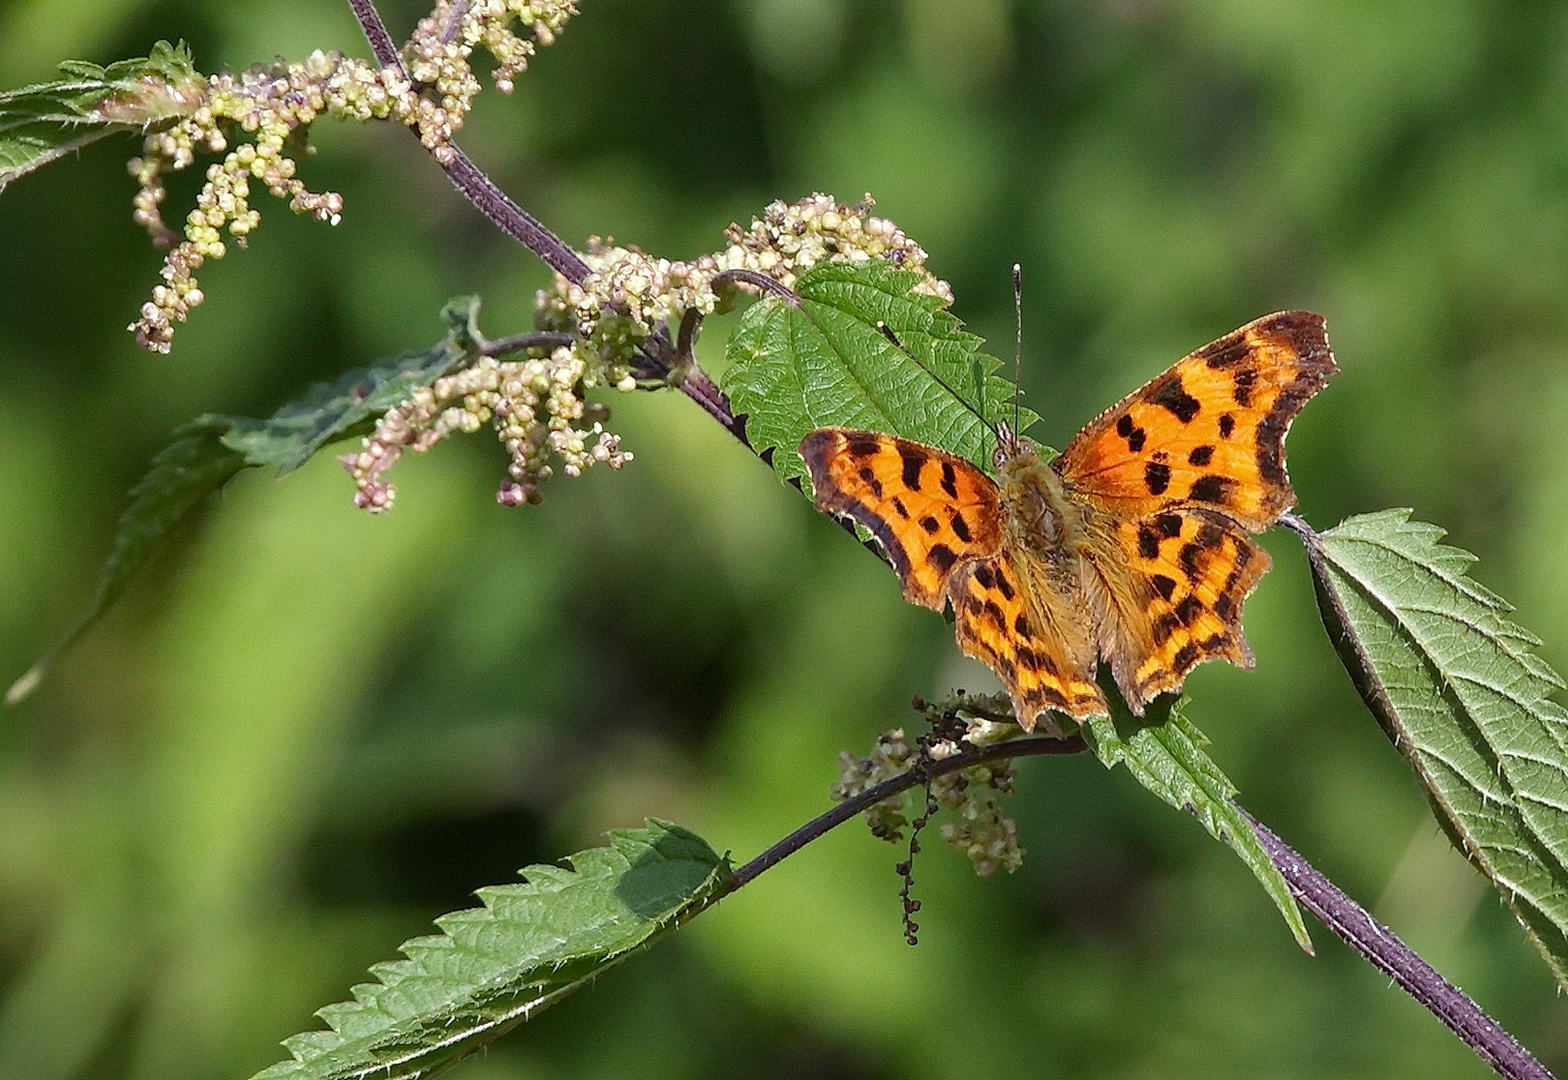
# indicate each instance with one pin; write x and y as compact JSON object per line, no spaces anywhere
{"x":48,"y":120}
{"x":795,"y":369}
{"x":496,"y":966}
{"x":350,"y":406}
{"x":212,"y":449}
{"x":1457,"y":688}
{"x":1164,"y":753}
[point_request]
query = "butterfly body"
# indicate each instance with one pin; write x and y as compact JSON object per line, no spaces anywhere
{"x":1130,"y":547}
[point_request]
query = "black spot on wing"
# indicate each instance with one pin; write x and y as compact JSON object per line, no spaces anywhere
{"x":994,"y":612}
{"x":949,"y":480}
{"x":942,"y":557}
{"x":1164,"y":626}
{"x":1003,"y":585}
{"x":1168,"y":525}
{"x":1242,"y":391}
{"x":1157,"y":477}
{"x":1211,"y":489}
{"x":863,"y":444}
{"x":1201,"y":455}
{"x":1226,"y":351}
{"x":871,"y":481}
{"x":1188,"y":558}
{"x":1214,"y":643}
{"x":1021,"y":625}
{"x":1243,"y":557}
{"x":930,"y":524}
{"x":1223,"y":606}
{"x":961,"y":528}
{"x":1210,"y":535}
{"x":1148,"y":543}
{"x":1186,"y":656}
{"x":1054,"y":696}
{"x":1189,"y":609}
{"x":1170,"y":394}
{"x":914,"y":458}
{"x":983,"y":576}
{"x":1227,"y":425}
{"x":898,"y":505}
{"x":1163,"y":585}
{"x":1134,"y":435}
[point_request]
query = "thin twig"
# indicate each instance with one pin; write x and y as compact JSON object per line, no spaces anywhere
{"x":534,"y":339}
{"x":1337,"y":911}
{"x":701,"y":389}
{"x":382,"y":47}
{"x":758,"y":280}
{"x":1395,"y":959}
{"x":516,"y":222}
{"x":467,"y":177}
{"x":459,"y":9}
{"x":1028,"y":746}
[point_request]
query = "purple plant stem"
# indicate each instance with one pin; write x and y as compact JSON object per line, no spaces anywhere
{"x":1395,"y":959}
{"x":382,"y":47}
{"x":467,"y":177}
{"x":701,"y":389}
{"x":516,"y":222}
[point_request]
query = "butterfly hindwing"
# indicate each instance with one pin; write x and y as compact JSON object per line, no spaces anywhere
{"x":1012,"y":619}
{"x":931,"y":511}
{"x":1190,"y":569}
{"x":1210,"y":431}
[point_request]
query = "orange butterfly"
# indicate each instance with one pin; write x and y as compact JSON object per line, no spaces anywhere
{"x":1130,"y":547}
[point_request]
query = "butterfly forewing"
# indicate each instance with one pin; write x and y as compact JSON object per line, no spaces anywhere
{"x":928,"y":509}
{"x":1210,"y":431}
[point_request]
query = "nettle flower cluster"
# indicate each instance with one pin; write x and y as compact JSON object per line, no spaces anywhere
{"x":978,"y":828}
{"x":630,"y":295}
{"x":535,"y":406}
{"x":268,"y":110}
{"x":629,"y":298}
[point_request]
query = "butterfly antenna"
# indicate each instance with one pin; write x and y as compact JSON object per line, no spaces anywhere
{"x":1018,"y":340}
{"x":887,"y":332}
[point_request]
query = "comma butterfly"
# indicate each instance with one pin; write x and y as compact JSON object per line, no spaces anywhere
{"x":1130,"y":547}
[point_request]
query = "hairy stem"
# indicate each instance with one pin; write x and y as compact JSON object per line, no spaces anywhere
{"x":702,"y":389}
{"x":382,"y":47}
{"x":1395,"y":959}
{"x":467,"y":177}
{"x":534,"y":339}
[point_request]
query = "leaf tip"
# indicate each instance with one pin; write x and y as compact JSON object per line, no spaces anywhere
{"x":23,"y":688}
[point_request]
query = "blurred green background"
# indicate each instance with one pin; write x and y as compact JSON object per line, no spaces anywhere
{"x":306,"y":732}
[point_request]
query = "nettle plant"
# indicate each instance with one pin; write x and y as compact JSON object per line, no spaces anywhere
{"x":843,"y":327}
